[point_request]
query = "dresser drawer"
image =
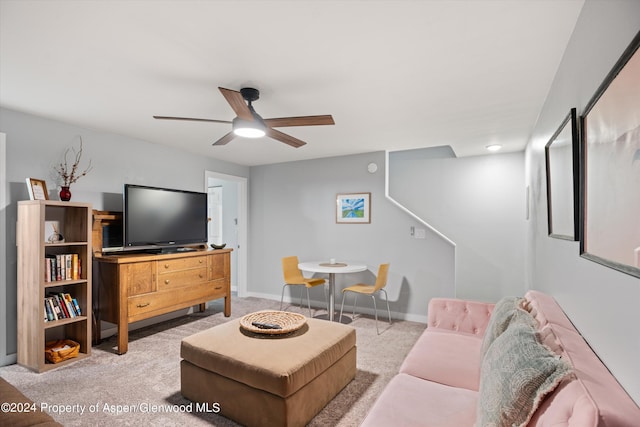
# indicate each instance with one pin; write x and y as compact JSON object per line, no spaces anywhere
{"x":178,"y":264}
{"x":219,"y":288}
{"x":148,"y":305}
{"x":182,"y":278}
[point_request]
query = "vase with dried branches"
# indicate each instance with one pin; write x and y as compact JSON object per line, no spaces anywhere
{"x":70,"y":174}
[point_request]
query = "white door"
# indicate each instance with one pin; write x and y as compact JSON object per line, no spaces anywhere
{"x":215,"y":215}
{"x":234,"y":222}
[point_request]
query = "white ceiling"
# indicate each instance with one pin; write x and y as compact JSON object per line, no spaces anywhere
{"x":394,"y":74}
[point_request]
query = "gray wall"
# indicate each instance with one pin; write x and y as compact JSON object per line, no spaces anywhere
{"x":292,"y":209}
{"x":34,"y":144}
{"x":602,"y":303}
{"x":479,"y":203}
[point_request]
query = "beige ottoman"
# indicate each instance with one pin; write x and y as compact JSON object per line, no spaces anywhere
{"x":262,"y":380}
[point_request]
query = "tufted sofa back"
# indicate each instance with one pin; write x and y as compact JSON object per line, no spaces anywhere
{"x":590,"y":397}
{"x":457,"y":315}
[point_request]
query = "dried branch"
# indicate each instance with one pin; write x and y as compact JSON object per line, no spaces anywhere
{"x":71,"y":176}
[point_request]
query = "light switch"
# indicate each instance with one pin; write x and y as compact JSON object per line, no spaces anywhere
{"x":420,"y":233}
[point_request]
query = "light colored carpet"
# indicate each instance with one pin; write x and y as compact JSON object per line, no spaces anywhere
{"x":147,"y":378}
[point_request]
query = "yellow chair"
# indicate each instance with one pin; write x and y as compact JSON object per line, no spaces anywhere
{"x":371,"y":290}
{"x":293,"y":277}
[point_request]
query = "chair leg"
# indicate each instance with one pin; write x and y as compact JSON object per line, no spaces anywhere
{"x":375,"y":312}
{"x":342,"y":306}
{"x":308,"y":302}
{"x":282,"y":297}
{"x":301,"y":294}
{"x":355,"y":303}
{"x":386,"y":298}
{"x":326,"y":299}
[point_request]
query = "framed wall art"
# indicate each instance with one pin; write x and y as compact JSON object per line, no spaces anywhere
{"x":353,"y":208}
{"x":562,"y":155}
{"x":610,"y":168}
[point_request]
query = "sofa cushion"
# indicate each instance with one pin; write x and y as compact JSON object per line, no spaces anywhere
{"x":446,"y":357}
{"x":408,"y":401}
{"x":507,"y":310}
{"x":516,"y":373}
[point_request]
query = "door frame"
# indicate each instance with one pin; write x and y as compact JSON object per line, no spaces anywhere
{"x":243,"y":220}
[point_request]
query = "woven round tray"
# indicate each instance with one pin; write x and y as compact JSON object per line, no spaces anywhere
{"x":288,"y":321}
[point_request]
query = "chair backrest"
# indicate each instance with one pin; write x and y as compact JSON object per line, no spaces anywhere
{"x":381,"y":279}
{"x":291,"y":272}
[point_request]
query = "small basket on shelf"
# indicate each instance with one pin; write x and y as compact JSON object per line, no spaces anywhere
{"x":60,"y":350}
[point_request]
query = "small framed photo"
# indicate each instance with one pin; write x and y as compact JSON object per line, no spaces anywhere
{"x":353,"y":208}
{"x":37,"y":189}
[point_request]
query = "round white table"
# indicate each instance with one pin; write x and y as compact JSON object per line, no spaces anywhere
{"x":331,"y":269}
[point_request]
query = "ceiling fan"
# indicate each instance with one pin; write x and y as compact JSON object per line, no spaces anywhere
{"x":249,"y":124}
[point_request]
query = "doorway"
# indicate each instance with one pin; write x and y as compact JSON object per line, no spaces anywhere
{"x":227,"y":208}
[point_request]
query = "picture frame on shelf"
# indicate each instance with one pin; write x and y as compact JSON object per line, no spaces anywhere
{"x":353,"y":208}
{"x":610,"y":167}
{"x":562,"y":158}
{"x":37,"y":189}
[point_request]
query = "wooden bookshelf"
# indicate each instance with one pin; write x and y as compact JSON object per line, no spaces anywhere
{"x":73,"y":221}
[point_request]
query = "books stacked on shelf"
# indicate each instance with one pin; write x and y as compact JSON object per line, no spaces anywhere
{"x":60,"y":306}
{"x":62,"y":267}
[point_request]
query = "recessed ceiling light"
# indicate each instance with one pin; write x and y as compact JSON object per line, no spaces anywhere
{"x":493,"y":147}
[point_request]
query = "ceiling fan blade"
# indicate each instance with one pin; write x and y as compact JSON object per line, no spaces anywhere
{"x":283,"y":137}
{"x":225,"y":139}
{"x":192,"y":119}
{"x":300,"y":121}
{"x":235,"y":99}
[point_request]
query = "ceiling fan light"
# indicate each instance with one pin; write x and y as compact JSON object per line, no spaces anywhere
{"x":249,"y":132}
{"x":248,"y":129}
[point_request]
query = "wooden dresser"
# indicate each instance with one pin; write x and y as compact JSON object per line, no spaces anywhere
{"x":133,"y":287}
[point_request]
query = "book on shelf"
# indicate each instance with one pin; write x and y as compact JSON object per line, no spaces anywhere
{"x":55,"y":308}
{"x":61,"y":305}
{"x":62,"y":267}
{"x":76,"y":306}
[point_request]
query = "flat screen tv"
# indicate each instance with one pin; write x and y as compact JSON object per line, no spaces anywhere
{"x":163,"y":218}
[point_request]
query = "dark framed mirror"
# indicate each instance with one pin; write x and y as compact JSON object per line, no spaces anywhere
{"x":610,"y":168}
{"x":562,"y":166}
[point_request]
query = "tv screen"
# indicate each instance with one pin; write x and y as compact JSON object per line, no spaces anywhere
{"x":163,"y":217}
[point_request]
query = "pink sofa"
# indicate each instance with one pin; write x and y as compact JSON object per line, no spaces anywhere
{"x":445,"y":378}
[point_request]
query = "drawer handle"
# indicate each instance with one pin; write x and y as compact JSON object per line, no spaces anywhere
{"x":200,"y":261}
{"x":201,"y":275}
{"x":166,"y":281}
{"x":218,"y":287}
{"x":143,"y":305}
{"x":166,"y":266}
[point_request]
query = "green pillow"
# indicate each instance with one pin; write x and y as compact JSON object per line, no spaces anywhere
{"x":516,"y":374}
{"x":507,"y":310}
